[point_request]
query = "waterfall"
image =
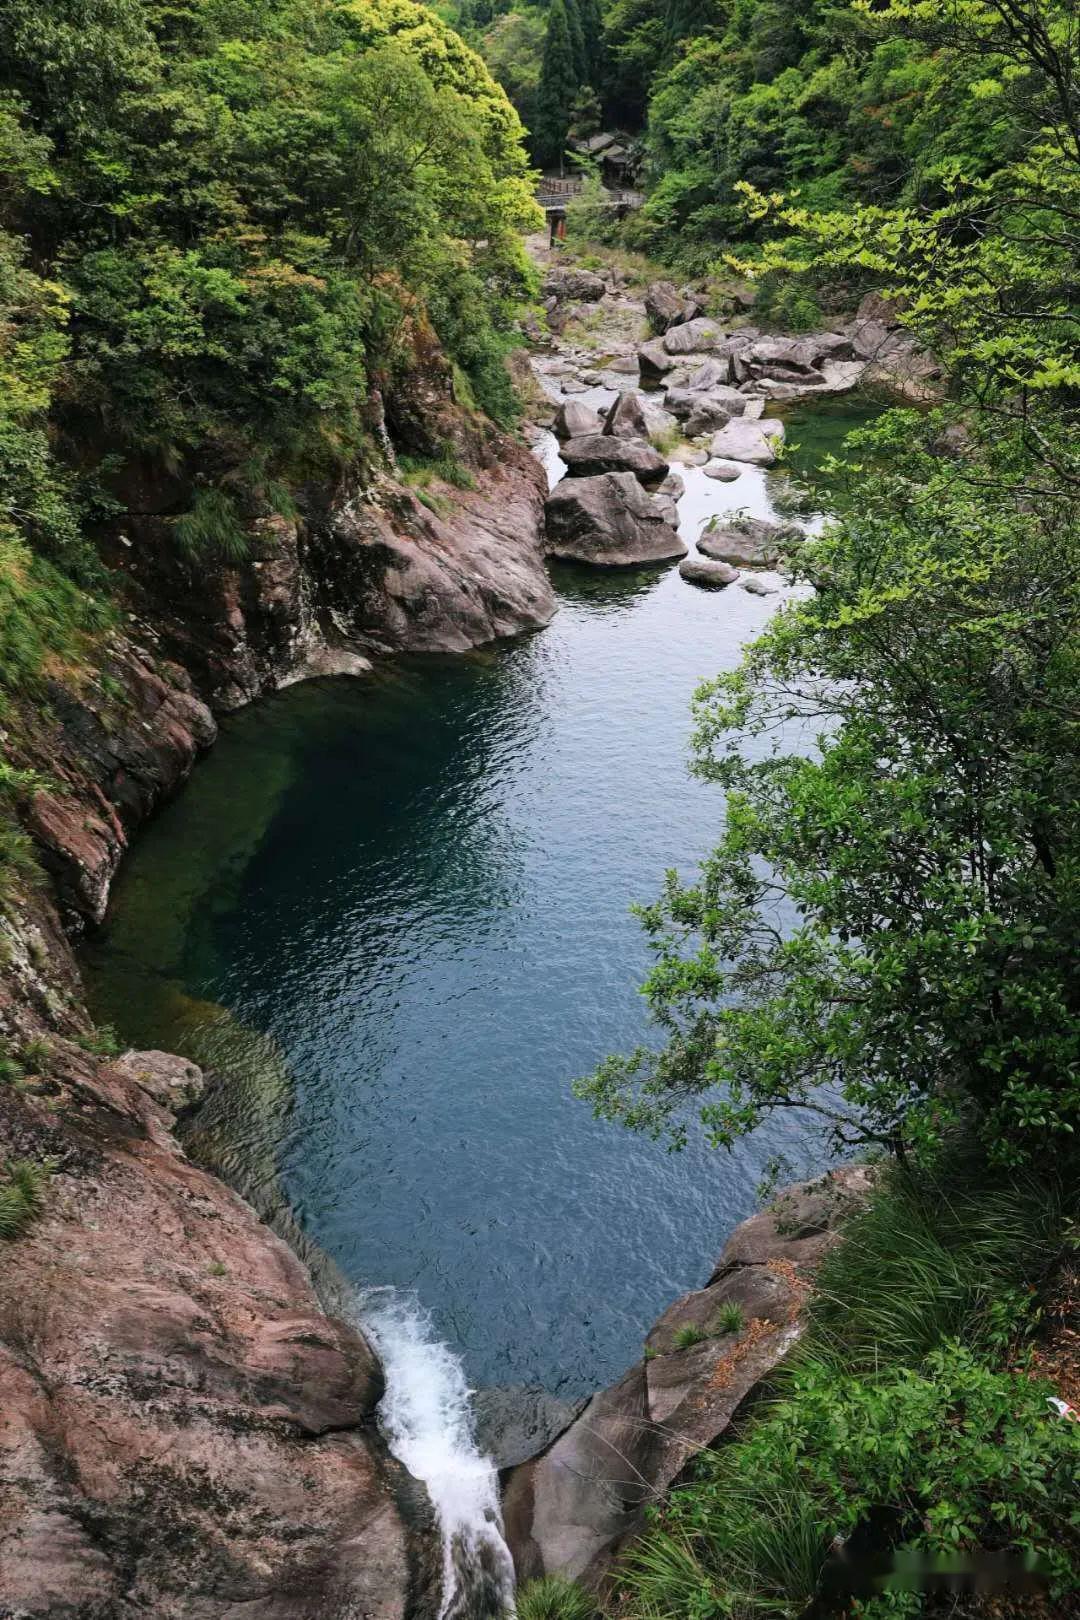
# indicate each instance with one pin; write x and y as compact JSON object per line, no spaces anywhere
{"x":427,"y":1419}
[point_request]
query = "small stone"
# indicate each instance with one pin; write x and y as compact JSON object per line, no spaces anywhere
{"x":725,"y":471}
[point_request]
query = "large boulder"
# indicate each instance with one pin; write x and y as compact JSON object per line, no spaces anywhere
{"x":565,"y":283}
{"x":626,"y":418}
{"x":685,"y":402}
{"x":694,"y":337}
{"x":664,"y":305}
{"x":609,"y":521}
{"x":603,"y":452}
{"x":713,"y":576}
{"x":784,"y":352}
{"x":573,"y":420}
{"x":748,"y":542}
{"x":754,"y":442}
{"x":713,"y":412}
{"x":654,"y":362}
{"x":712,"y":373}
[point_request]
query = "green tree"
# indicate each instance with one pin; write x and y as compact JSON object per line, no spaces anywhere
{"x":557,"y":88}
{"x":577,"y":41}
{"x":592,"y":26}
{"x":884,"y":935}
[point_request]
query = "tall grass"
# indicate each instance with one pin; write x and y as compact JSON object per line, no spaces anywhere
{"x":896,"y":1400}
{"x":958,"y":1255}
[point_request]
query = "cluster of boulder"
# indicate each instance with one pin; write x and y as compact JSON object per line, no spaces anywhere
{"x":617,"y":506}
{"x":705,"y":367}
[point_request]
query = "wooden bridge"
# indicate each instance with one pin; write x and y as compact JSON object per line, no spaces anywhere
{"x":554,"y":192}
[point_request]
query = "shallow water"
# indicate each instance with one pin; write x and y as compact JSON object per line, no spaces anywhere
{"x":394,"y":913}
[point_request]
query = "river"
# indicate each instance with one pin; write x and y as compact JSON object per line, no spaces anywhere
{"x":394,"y":913}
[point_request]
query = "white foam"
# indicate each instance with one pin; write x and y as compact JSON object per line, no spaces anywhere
{"x":426,"y":1415}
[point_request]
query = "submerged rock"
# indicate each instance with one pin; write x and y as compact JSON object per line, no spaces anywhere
{"x":711,"y":575}
{"x":609,"y":520}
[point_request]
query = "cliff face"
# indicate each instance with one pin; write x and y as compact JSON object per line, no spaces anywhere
{"x":183,"y":1431}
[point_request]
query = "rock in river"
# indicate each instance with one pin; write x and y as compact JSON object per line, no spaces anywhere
{"x":712,"y":575}
{"x":610,"y":521}
{"x":603,"y":453}
{"x":573,"y":420}
{"x":749,"y":542}
{"x":626,"y":418}
{"x":748,"y":441}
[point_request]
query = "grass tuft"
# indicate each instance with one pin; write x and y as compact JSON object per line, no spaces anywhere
{"x":553,"y":1597}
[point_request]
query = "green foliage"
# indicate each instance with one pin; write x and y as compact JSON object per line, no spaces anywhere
{"x":553,"y":1597}
{"x":891,"y":1417}
{"x":881,"y":937}
{"x":969,"y":1457}
{"x":960,"y":1253}
{"x":239,"y":216}
{"x":685,"y":1338}
{"x":559,"y":80}
{"x":729,"y":1318}
{"x":22,"y":1195}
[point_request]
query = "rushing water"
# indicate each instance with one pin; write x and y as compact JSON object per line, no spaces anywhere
{"x":394,"y":914}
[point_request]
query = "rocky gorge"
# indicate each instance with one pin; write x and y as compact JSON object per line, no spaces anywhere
{"x":185,"y":1429}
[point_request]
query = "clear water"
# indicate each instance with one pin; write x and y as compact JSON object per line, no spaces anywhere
{"x":393,"y":915}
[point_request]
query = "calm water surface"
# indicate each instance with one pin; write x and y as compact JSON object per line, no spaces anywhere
{"x":393,"y":913}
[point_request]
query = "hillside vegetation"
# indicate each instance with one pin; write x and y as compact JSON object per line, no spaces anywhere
{"x":225,"y":227}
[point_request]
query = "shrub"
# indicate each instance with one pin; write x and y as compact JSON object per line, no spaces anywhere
{"x":729,"y":1318}
{"x":22,"y":1194}
{"x":553,"y":1597}
{"x":953,"y":1254}
{"x":686,"y":1337}
{"x":967,"y":1458}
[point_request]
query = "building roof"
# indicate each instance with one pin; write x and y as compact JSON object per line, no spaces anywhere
{"x":596,"y":143}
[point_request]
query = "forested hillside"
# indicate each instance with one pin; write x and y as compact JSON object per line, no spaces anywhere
{"x":224,"y":229}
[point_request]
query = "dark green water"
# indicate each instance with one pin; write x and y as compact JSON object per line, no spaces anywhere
{"x":394,"y":914}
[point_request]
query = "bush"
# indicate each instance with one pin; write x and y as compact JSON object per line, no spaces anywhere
{"x":22,"y":1194}
{"x":953,"y":1254}
{"x":892,"y":1417}
{"x":685,"y":1338}
{"x":553,"y":1597}
{"x":964,"y":1456}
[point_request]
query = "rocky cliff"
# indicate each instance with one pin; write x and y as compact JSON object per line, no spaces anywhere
{"x":183,"y":1430}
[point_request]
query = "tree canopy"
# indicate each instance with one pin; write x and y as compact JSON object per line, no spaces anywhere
{"x":886,"y":933}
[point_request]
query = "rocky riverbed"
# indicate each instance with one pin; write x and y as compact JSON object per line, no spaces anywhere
{"x":640,"y":384}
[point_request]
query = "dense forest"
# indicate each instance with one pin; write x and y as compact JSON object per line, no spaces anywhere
{"x":222,"y":228}
{"x":228,"y":231}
